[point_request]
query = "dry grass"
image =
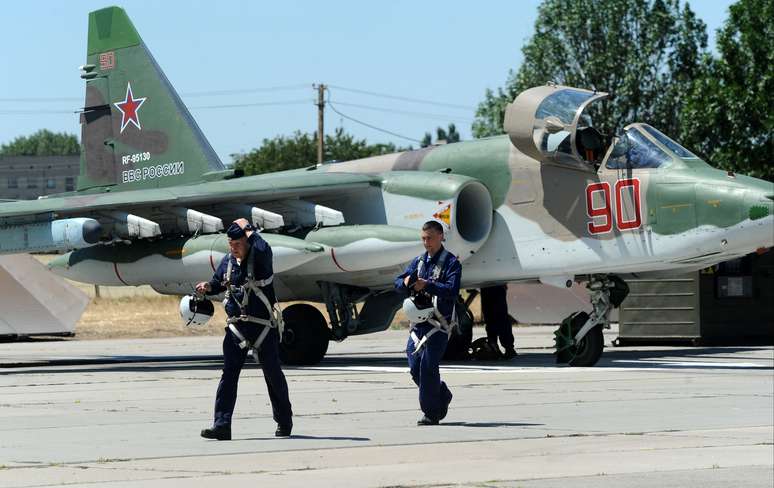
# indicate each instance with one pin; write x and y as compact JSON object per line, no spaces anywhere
{"x":140,"y":316}
{"x":153,"y":315}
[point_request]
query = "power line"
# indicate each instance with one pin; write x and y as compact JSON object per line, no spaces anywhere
{"x":248,"y":90}
{"x":36,"y":112}
{"x":199,"y":107}
{"x":406,"y":112}
{"x":194,"y":94}
{"x":256,"y":104}
{"x":240,"y":91}
{"x":42,"y":99}
{"x":405,"y":99}
{"x":371,"y":126}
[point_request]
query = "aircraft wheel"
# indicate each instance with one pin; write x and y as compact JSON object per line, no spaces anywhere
{"x":589,"y":349}
{"x":306,"y":335}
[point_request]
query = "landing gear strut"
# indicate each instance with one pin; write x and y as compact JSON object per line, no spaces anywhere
{"x":579,"y":340}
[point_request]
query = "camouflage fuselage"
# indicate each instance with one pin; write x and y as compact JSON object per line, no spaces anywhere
{"x":551,"y":220}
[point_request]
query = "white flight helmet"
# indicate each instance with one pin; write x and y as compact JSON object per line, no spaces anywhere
{"x":415,"y":314}
{"x":196,"y":311}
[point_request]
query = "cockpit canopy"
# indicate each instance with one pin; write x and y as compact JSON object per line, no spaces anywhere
{"x":642,"y":146}
{"x":550,"y":123}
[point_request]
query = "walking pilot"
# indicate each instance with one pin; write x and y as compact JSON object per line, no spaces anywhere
{"x":433,"y":281}
{"x":245,"y":274}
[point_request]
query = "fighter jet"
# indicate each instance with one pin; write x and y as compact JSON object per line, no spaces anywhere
{"x":553,"y":201}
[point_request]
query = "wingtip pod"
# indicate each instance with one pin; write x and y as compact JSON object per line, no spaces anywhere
{"x":110,"y":28}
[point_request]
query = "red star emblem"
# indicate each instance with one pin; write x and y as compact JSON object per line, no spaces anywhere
{"x":129,"y":107}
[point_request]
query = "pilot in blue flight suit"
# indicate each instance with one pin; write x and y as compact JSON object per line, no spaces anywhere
{"x":434,"y":275}
{"x":251,"y":326}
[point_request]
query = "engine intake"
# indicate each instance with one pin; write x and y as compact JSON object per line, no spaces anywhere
{"x":462,"y":204}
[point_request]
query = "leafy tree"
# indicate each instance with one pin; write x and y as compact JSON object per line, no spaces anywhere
{"x":427,"y":140}
{"x":441,"y":135}
{"x":729,"y":114}
{"x":300,"y":150}
{"x":42,"y":143}
{"x":645,"y":53}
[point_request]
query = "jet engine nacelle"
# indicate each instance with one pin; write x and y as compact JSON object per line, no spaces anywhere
{"x":461,"y":204}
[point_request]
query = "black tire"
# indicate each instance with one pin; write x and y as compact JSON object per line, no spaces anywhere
{"x":305,"y":338}
{"x":589,"y":349}
{"x":458,"y":347}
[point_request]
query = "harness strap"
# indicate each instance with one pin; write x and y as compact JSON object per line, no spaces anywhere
{"x":438,"y":321}
{"x":251,"y":286}
{"x":252,"y":347}
{"x":419,"y":344}
{"x":437,"y":267}
{"x":245,"y":343}
{"x":250,"y":318}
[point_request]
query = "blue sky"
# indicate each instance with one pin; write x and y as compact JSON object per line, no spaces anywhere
{"x":447,"y":52}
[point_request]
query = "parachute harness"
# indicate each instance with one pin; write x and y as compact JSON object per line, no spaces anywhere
{"x":251,"y":286}
{"x":438,"y":321}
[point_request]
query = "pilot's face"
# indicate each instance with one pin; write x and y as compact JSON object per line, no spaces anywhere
{"x":431,"y":239}
{"x":238,"y":247}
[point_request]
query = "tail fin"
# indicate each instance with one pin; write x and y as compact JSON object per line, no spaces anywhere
{"x":136,"y":132}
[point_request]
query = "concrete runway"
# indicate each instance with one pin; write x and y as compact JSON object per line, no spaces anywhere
{"x":128,"y":413}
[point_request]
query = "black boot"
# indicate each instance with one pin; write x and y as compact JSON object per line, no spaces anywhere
{"x":219,"y":432}
{"x":425,"y":420}
{"x":283,"y":430}
{"x":509,"y":353}
{"x":445,"y":408}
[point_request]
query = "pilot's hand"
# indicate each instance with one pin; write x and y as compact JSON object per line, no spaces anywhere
{"x":203,"y":287}
{"x":420,"y":284}
{"x":245,"y":225}
{"x":242,"y":222}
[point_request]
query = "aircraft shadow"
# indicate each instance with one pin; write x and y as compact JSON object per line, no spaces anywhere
{"x":489,"y":424}
{"x":15,"y":338}
{"x":308,"y":437}
{"x":674,"y":358}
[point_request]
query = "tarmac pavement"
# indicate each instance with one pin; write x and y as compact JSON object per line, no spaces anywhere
{"x":127,"y":413}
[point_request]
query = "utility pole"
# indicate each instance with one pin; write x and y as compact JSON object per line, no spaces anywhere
{"x":320,"y":122}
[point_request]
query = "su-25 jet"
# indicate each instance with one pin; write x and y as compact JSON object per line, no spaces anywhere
{"x":552,"y":201}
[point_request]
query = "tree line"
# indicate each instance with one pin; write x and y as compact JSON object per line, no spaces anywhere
{"x":652,"y":57}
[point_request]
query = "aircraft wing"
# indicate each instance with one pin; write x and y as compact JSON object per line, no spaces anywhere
{"x":262,"y":188}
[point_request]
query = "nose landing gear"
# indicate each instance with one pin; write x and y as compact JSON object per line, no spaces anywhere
{"x":579,"y":339}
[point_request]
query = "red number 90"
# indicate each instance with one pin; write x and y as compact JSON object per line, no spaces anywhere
{"x":604,"y":214}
